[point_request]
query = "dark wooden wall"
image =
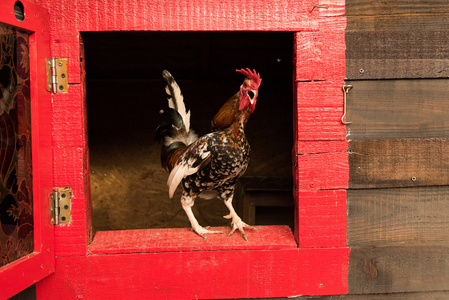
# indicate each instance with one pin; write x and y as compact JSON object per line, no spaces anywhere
{"x":397,"y":60}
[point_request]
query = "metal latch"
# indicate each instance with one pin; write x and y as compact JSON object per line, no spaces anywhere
{"x":57,"y":79}
{"x":346,"y":89}
{"x":60,"y":205}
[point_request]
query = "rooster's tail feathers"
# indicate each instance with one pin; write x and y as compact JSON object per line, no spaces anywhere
{"x":176,"y":100}
{"x":174,"y":126}
{"x":174,"y":133}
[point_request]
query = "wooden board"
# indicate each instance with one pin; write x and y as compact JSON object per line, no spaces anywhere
{"x":395,"y":7}
{"x":422,"y":44}
{"x":396,"y":296}
{"x":398,"y":163}
{"x":319,"y":108}
{"x":402,"y":216}
{"x":388,"y":68}
{"x":321,"y":217}
{"x":397,"y":39}
{"x":398,"y":22}
{"x":393,"y":15}
{"x":162,"y":15}
{"x":392,"y":109}
{"x":183,"y":239}
{"x":397,"y":54}
{"x":398,"y":269}
{"x":199,"y":275}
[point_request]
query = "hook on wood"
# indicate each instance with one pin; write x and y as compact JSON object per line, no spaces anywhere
{"x":319,"y":6}
{"x":346,"y":89}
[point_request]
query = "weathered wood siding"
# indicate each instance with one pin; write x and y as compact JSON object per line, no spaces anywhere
{"x":397,"y":60}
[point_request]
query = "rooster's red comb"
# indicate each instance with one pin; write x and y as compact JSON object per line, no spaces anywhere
{"x":253,"y":75}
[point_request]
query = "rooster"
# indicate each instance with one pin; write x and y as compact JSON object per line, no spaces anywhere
{"x":208,"y":166}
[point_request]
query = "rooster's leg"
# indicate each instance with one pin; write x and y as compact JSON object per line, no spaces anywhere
{"x":237,"y":222}
{"x":187,"y":202}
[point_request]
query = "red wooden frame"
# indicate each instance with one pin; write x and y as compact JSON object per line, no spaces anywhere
{"x":316,"y":263}
{"x":27,"y":270}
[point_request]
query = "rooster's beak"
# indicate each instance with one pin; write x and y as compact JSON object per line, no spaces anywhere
{"x":252,"y":96}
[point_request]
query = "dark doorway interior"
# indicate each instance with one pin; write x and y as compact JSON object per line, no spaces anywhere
{"x":125,"y":92}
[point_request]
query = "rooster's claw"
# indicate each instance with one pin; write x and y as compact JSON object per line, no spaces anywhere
{"x":237,"y":223}
{"x":202,"y":231}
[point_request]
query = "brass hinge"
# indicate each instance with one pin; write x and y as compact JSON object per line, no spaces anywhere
{"x":57,"y":79}
{"x":60,"y":205}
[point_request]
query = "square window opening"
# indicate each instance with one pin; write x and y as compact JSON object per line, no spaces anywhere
{"x":125,"y":92}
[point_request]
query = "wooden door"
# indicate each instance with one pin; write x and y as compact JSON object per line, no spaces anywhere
{"x":171,"y":263}
{"x":26,"y":235}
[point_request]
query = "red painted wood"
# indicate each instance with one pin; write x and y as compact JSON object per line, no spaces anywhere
{"x":322,"y":174}
{"x":320,"y":158}
{"x":321,"y":55}
{"x":69,"y":17}
{"x":313,"y":147}
{"x":333,"y":18}
{"x":320,"y":107}
{"x":68,"y":118}
{"x":183,"y":239}
{"x":71,"y":168}
{"x":320,"y":154}
{"x":22,"y":273}
{"x":322,"y":218}
{"x":322,"y":171}
{"x":199,"y":275}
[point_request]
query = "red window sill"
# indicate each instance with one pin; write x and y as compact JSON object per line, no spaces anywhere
{"x":182,"y":239}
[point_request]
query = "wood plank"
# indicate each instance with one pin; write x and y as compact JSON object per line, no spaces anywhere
{"x":322,"y":171}
{"x":313,"y":50}
{"x":418,"y":44}
{"x":402,"y":216}
{"x":169,"y":15}
{"x":395,"y":7}
{"x":361,"y":69}
{"x":318,"y":111}
{"x":398,"y":269}
{"x":443,"y":295}
{"x":392,"y":109}
{"x":321,"y":217}
{"x":183,"y":239}
{"x":398,"y":163}
{"x":397,"y":54}
{"x":199,"y":275}
{"x":398,"y":22}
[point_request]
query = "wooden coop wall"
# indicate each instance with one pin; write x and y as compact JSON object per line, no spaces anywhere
{"x":397,"y":60}
{"x":387,"y":170}
{"x":135,"y":266}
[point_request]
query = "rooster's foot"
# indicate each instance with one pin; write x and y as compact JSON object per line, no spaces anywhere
{"x":202,"y":231}
{"x":237,"y":223}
